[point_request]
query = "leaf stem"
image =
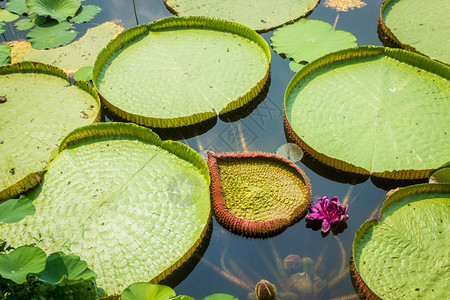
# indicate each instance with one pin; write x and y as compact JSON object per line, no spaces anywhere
{"x":135,"y":14}
{"x":335,"y":21}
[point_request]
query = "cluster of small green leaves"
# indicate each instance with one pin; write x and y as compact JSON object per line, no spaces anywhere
{"x":49,"y":21}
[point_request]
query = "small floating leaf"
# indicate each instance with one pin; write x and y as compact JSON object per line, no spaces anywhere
{"x":441,"y":175}
{"x":86,"y":13}
{"x":16,"y":6}
{"x":14,"y":210}
{"x":51,"y":34}
{"x":147,"y":291}
{"x":84,"y":73}
{"x":6,"y":16}
{"x":59,"y":10}
{"x":308,"y":39}
{"x":2,"y":27}
{"x":24,"y":24}
{"x":220,"y":296}
{"x":405,"y":254}
{"x":257,"y":194}
{"x":72,"y":57}
{"x":290,"y":151}
{"x":65,"y":269}
{"x":260,"y":15}
{"x":20,"y":262}
{"x":4,"y":54}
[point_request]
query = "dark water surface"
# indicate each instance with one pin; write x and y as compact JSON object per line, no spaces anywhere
{"x":233,"y":264}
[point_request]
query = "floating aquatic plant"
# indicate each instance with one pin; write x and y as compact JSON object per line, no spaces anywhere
{"x":383,"y":85}
{"x":405,"y":253}
{"x":260,"y":15}
{"x":329,"y":212}
{"x":49,"y":21}
{"x":257,"y":194}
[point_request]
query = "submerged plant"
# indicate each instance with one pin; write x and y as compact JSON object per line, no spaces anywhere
{"x":328,"y":211}
{"x":265,"y":290}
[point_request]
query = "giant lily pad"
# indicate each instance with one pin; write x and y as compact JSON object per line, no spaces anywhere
{"x":405,"y":254}
{"x":418,"y":26}
{"x":59,"y":10}
{"x":40,"y":107}
{"x":70,"y":58}
{"x":372,"y":110}
{"x":256,"y":14}
{"x":308,"y":39}
{"x":257,"y":194}
{"x":181,"y":71}
{"x":133,"y":207}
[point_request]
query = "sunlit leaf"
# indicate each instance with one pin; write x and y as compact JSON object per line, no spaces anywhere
{"x":84,"y":73}
{"x":344,"y":5}
{"x":86,"y":13}
{"x":441,"y":175}
{"x":16,"y":6}
{"x":4,"y":54}
{"x":72,"y":57}
{"x":24,"y":24}
{"x":133,"y":207}
{"x":59,"y":10}
{"x":260,"y":15}
{"x":405,"y":254}
{"x":147,"y":291}
{"x":220,"y":297}
{"x":295,"y":66}
{"x":65,"y":269}
{"x":290,"y":151}
{"x":309,"y":39}
{"x":372,"y":110}
{"x":14,"y":210}
{"x":20,"y":262}
{"x":6,"y":16}
{"x":418,"y":26}
{"x":51,"y":34}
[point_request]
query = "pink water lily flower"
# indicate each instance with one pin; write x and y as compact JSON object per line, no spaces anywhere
{"x":329,"y":211}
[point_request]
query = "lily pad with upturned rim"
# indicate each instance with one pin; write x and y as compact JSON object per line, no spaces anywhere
{"x":418,"y":26}
{"x":257,"y":194}
{"x":260,"y":15}
{"x":405,"y":254}
{"x":148,"y":73}
{"x":110,"y":197}
{"x":404,"y":98}
{"x":41,"y":107}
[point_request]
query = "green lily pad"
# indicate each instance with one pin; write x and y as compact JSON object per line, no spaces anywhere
{"x":308,"y":39}
{"x":16,"y":6}
{"x":59,"y":10}
{"x":20,"y":262}
{"x":404,"y":100}
{"x":295,"y":66}
{"x":133,"y":207}
{"x":65,"y":269}
{"x":51,"y":35}
{"x":2,"y":27}
{"x":86,"y":13}
{"x":405,"y":254}
{"x":24,"y":24}
{"x":6,"y":16}
{"x":4,"y":54}
{"x":259,"y":15}
{"x":290,"y":151}
{"x":83,"y":73}
{"x":40,"y":108}
{"x":213,"y":65}
{"x":418,"y":26}
{"x":72,"y":57}
{"x":257,"y":194}
{"x":147,"y":291}
{"x":441,"y":175}
{"x":14,"y":210}
{"x":220,"y":296}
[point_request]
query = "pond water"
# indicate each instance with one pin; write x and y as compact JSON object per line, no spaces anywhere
{"x":233,"y":264}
